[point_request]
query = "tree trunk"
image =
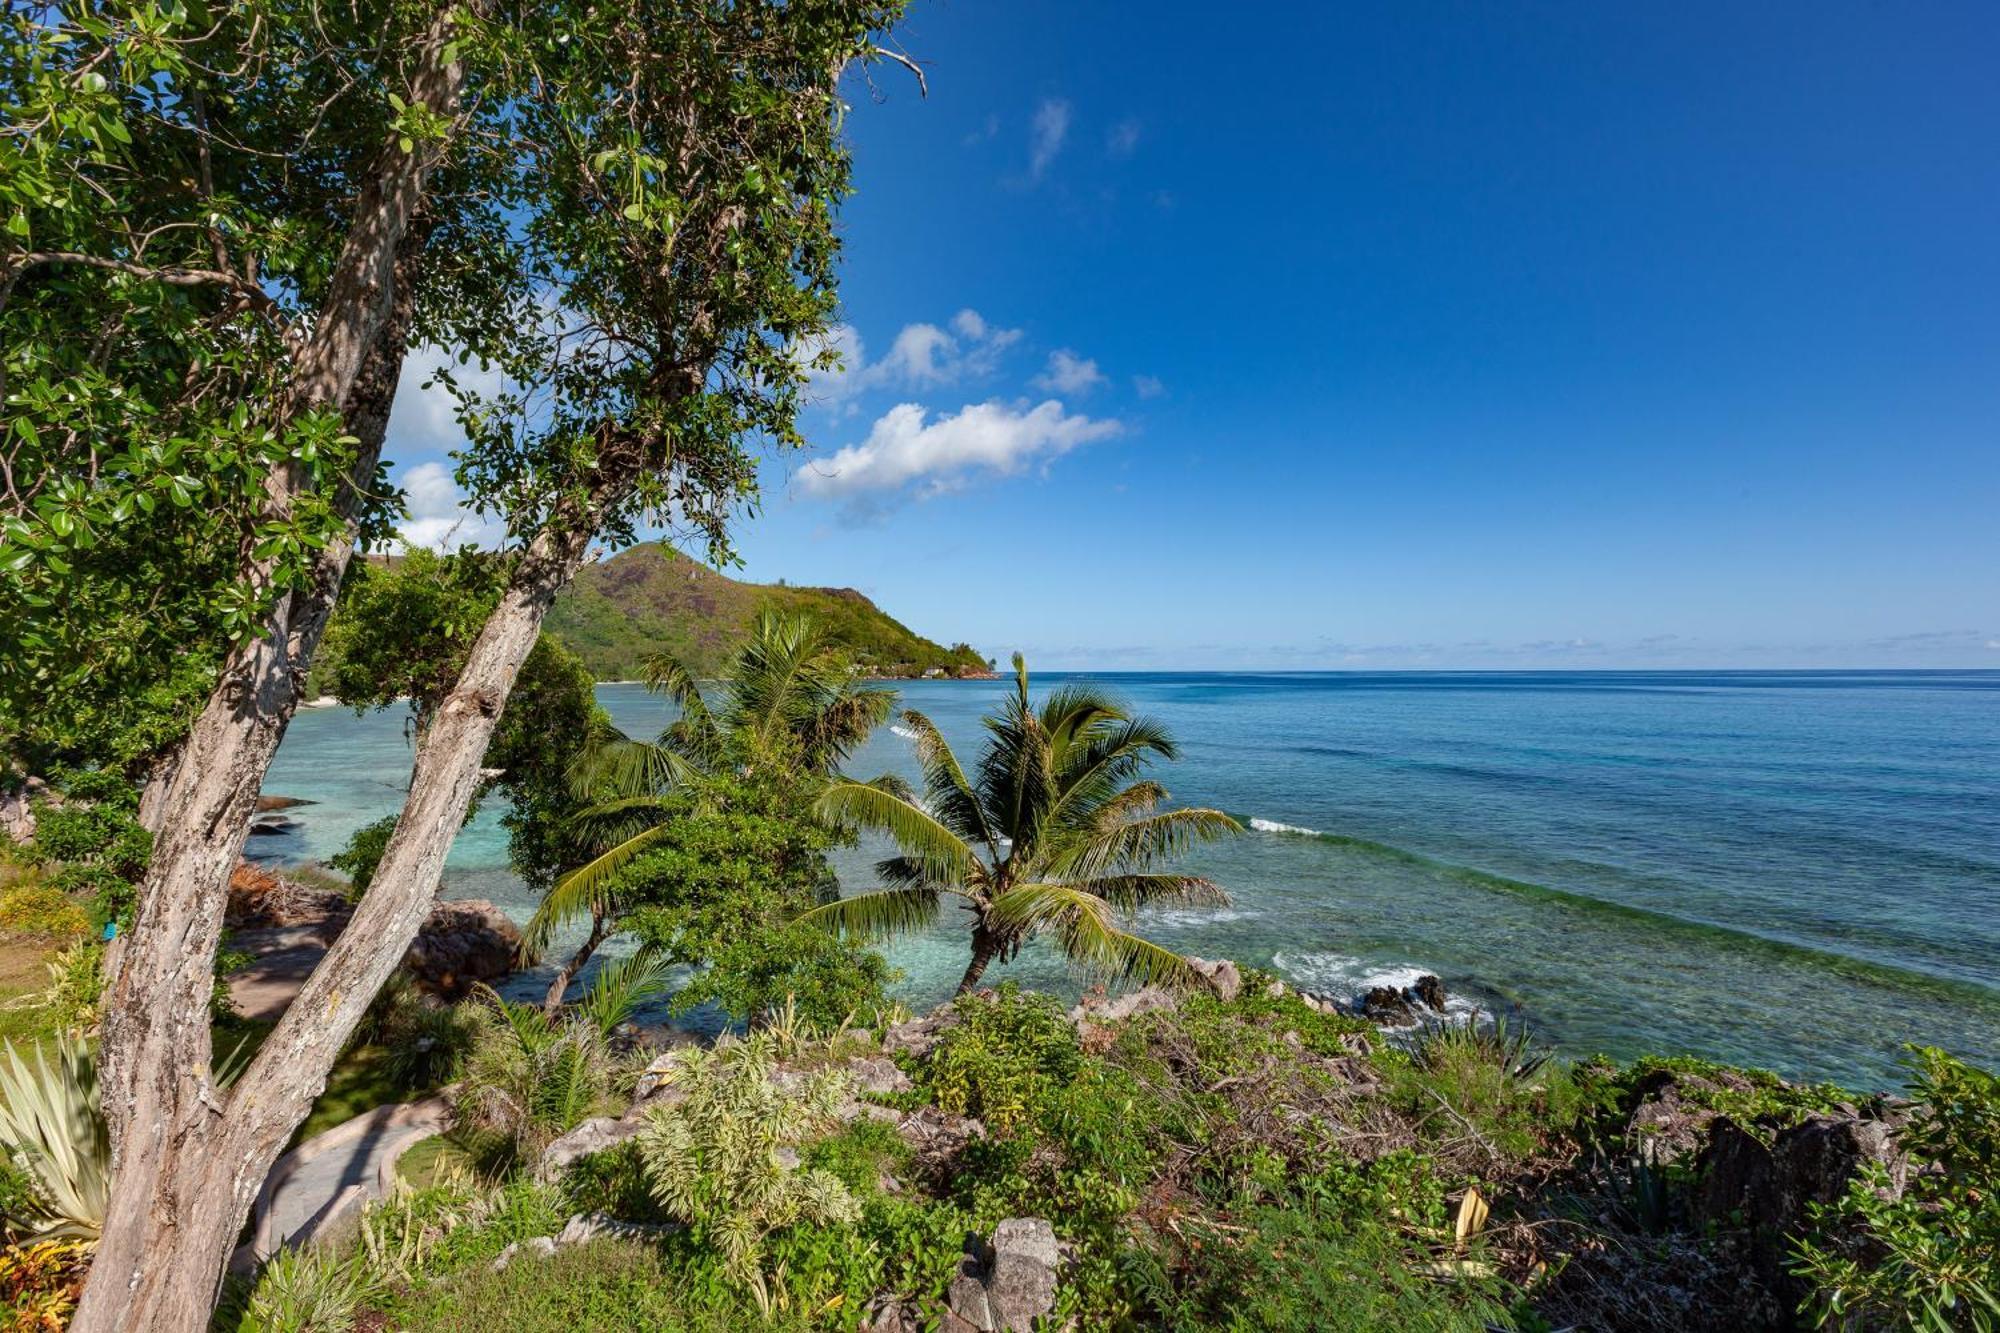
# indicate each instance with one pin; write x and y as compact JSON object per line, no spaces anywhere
{"x":600,"y":930}
{"x":986,"y":946}
{"x":181,"y":1179}
{"x":166,"y":1253}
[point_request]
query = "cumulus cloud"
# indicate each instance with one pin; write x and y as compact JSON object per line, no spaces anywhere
{"x":907,"y":450}
{"x":439,"y":517}
{"x":1046,"y":134}
{"x":922,"y":356}
{"x":1123,"y":138}
{"x":1067,"y":372}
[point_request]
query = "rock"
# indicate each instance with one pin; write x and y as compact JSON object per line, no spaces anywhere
{"x":1275,"y":991}
{"x":17,"y":805}
{"x":266,"y":804}
{"x":586,"y":1227}
{"x":1429,"y":991}
{"x":919,"y":1035}
{"x":1145,"y":1000}
{"x":270,"y":826}
{"x":1386,"y":1005}
{"x":1221,"y":975}
{"x":1671,"y":1118}
{"x":660,"y":1073}
{"x":936,"y":1134}
{"x":1770,"y":1190}
{"x":879,"y":1075}
{"x":594,"y":1135}
{"x":887,"y":1313}
{"x":540,"y":1246}
{"x":462,"y":942}
{"x":1011,"y":1282}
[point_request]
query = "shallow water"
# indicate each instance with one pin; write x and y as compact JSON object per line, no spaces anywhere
{"x":1796,"y":870}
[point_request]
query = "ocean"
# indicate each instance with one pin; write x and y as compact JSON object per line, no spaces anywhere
{"x":1794,"y":870}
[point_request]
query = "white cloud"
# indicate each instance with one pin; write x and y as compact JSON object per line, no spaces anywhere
{"x":427,"y":418}
{"x":439,"y":517}
{"x":922,"y":356}
{"x":1123,"y":138}
{"x":1046,"y":134}
{"x":987,"y":130}
{"x":904,"y":448}
{"x":1148,"y":386}
{"x":1067,"y":372}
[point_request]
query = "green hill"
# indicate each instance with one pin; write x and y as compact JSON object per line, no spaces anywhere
{"x":651,"y":599}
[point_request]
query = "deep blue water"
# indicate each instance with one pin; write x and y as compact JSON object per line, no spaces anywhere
{"x":1797,"y":870}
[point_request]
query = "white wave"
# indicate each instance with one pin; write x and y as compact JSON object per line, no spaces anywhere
{"x":1346,"y":978}
{"x":1177,"y":917}
{"x":1273,"y":826}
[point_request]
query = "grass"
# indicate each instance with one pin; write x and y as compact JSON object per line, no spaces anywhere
{"x":23,"y":971}
{"x":607,"y":1284}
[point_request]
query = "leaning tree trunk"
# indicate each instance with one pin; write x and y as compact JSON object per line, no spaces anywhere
{"x":986,"y":946}
{"x":600,"y":930}
{"x":183,"y":1176}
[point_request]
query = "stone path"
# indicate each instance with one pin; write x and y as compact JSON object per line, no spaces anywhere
{"x":325,"y":1182}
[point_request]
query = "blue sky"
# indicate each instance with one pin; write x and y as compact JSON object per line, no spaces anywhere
{"x":1413,"y":336}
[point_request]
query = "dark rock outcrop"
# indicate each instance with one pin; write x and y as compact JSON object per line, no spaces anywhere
{"x":1005,"y":1285}
{"x":1385,"y":1004}
{"x":461,"y":942}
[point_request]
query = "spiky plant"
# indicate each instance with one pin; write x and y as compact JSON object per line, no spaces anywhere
{"x":51,"y":1125}
{"x":793,"y":704}
{"x":712,"y":1158}
{"x":534,"y":1076}
{"x":1055,"y":834}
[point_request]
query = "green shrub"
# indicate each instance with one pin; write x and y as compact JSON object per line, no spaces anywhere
{"x":1004,"y":1057}
{"x":302,"y":1290}
{"x":363,"y":853}
{"x":1489,"y":1084}
{"x":76,"y":985}
{"x":1309,"y":1261}
{"x":712,"y":1159}
{"x":41,"y":910}
{"x":1929,"y":1259}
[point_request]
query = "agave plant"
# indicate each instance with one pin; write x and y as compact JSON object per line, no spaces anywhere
{"x":793,"y":702}
{"x":1056,"y":834}
{"x":51,"y":1125}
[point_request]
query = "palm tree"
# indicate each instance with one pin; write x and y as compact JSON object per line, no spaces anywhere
{"x":1054,"y":835}
{"x":793,"y":704}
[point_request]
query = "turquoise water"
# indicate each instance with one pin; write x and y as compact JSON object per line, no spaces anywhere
{"x":1798,"y":870}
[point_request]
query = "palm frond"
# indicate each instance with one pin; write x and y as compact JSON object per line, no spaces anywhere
{"x":945,"y":856}
{"x":878,"y":914}
{"x":1134,"y":844}
{"x":950,"y":794}
{"x":1080,"y":921}
{"x":1128,"y":893}
{"x":585,"y":890}
{"x":621,"y":987}
{"x":621,"y":766}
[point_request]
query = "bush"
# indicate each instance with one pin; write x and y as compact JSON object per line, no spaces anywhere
{"x":40,"y":1283}
{"x":76,"y":985}
{"x":829,"y":980}
{"x":41,"y":910}
{"x":363,"y":853}
{"x":712,"y":1159}
{"x":1929,"y":1258}
{"x":1005,"y":1057}
{"x":302,"y":1290}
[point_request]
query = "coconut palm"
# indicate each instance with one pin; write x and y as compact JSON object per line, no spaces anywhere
{"x":1055,"y":834}
{"x":793,"y":705}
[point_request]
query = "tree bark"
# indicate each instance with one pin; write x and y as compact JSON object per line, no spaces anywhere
{"x":986,"y":946}
{"x":600,"y":930}
{"x":180,"y":1187}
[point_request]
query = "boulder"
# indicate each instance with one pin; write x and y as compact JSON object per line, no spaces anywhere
{"x":17,"y":806}
{"x":1429,"y":992}
{"x":266,"y":804}
{"x":462,"y":942}
{"x":1386,"y":1005}
{"x":1221,"y":975}
{"x":1009,"y":1283}
{"x":594,"y":1135}
{"x":919,"y":1035}
{"x":1673,"y":1111}
{"x":1145,"y":1000}
{"x":878,"y":1074}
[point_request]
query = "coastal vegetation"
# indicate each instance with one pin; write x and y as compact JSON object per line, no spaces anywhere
{"x":223,"y":233}
{"x":1053,"y":834}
